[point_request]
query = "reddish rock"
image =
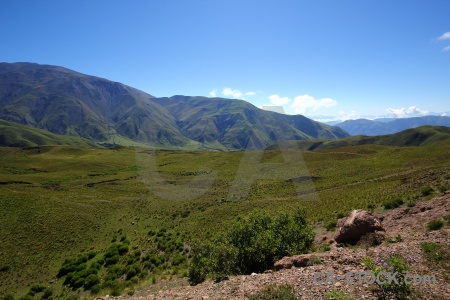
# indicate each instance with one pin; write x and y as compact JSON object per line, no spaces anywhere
{"x":358,"y":223}
{"x":284,"y":263}
{"x":301,"y":261}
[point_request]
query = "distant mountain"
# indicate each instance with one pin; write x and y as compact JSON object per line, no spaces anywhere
{"x":420,"y":136}
{"x":18,"y":135}
{"x":70,"y":103}
{"x":389,"y":126}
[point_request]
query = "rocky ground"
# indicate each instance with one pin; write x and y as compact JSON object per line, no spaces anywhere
{"x":408,"y":223}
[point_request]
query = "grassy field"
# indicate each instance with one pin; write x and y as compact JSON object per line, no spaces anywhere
{"x":60,"y":202}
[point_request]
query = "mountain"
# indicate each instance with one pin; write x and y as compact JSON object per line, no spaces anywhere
{"x":18,"y":135}
{"x":420,"y":136}
{"x":389,"y":126}
{"x":66,"y":102}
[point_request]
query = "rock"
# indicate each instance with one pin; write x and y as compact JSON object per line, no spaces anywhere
{"x":301,"y":261}
{"x":284,"y":263}
{"x":355,"y":225}
{"x":372,"y":239}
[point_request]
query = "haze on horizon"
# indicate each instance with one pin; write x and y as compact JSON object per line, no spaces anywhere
{"x":343,"y":60}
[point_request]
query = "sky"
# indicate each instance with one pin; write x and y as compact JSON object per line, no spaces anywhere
{"x":340,"y":59}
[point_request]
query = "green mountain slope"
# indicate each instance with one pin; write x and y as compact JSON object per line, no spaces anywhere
{"x":70,"y":103}
{"x":18,"y":135}
{"x":237,"y":124}
{"x":420,"y":136}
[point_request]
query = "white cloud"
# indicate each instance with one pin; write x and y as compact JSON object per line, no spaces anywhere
{"x":277,"y":100}
{"x":445,"y":36}
{"x":306,"y":102}
{"x":406,"y":112}
{"x":213,"y":93}
{"x":446,"y":48}
{"x":228,"y":92}
{"x":250,"y":94}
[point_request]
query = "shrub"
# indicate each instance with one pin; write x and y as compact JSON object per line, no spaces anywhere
{"x":8,"y":297}
{"x":272,"y":292}
{"x":443,"y":188}
{"x":91,"y":280}
{"x":96,"y":289}
{"x":435,"y":225}
{"x":393,"y":203}
{"x":112,"y":260}
{"x":72,"y":297}
{"x":251,"y":244}
{"x":37,"y":288}
{"x":116,"y":288}
{"x":426,"y":191}
{"x":391,"y":263}
{"x":47,"y":293}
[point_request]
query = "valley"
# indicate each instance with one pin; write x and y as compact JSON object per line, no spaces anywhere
{"x":60,"y":202}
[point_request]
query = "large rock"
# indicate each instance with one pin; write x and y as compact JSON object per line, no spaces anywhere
{"x":358,"y":223}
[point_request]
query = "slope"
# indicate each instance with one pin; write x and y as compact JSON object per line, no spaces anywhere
{"x":18,"y":135}
{"x":420,"y":136}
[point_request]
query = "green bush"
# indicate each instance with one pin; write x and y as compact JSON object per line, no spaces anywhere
{"x":112,"y":260}
{"x":426,"y":191}
{"x":251,"y":244}
{"x":271,"y":292}
{"x":116,"y":288}
{"x":91,"y":280}
{"x":8,"y":297}
{"x":37,"y":288}
{"x":435,"y":225}
{"x":72,"y":297}
{"x":47,"y":293}
{"x":443,"y":188}
{"x":96,"y":289}
{"x":393,"y":203}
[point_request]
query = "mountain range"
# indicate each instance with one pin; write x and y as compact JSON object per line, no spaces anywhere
{"x":420,"y":136}
{"x":66,"y":102}
{"x":389,"y":126}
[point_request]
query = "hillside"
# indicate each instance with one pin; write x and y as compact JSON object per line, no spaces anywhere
{"x":406,"y":235}
{"x":61,"y":202}
{"x":18,"y":135}
{"x":66,"y":102}
{"x":389,"y":126}
{"x":420,"y":136}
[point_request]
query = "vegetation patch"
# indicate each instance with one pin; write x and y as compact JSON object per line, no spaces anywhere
{"x":274,"y":292}
{"x":251,"y":244}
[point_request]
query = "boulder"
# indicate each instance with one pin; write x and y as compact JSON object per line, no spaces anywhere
{"x":284,"y":263}
{"x":358,"y":223}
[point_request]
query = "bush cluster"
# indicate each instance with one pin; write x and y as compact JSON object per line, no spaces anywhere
{"x":393,"y":203}
{"x":251,"y":244}
{"x":118,"y":267}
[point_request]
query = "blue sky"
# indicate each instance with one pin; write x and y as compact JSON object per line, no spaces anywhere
{"x":332,"y":58}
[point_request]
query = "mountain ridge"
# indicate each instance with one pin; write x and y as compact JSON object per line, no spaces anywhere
{"x":419,"y":136}
{"x":390,"y":126}
{"x":66,"y":102}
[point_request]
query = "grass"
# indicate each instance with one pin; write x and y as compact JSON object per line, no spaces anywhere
{"x":438,"y":257}
{"x":435,"y":225}
{"x":338,"y":295}
{"x":58,"y":203}
{"x":272,"y":292}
